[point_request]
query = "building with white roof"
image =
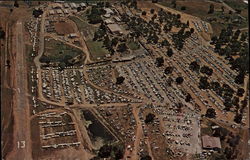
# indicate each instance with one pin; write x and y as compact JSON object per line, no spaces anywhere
{"x":51,"y":12}
{"x":66,"y":5}
{"x":83,"y":5}
{"x":114,"y":28}
{"x":59,"y":11}
{"x":73,"y":5}
{"x":66,"y":11}
{"x":109,"y":11}
{"x":108,"y":21}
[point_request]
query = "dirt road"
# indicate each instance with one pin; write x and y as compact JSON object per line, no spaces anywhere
{"x":22,"y":145}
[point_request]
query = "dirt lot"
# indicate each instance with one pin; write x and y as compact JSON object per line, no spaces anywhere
{"x":63,"y":28}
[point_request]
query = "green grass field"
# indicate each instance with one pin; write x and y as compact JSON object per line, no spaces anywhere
{"x":56,"y":50}
{"x":83,"y":26}
{"x":132,"y":45}
{"x":96,"y":49}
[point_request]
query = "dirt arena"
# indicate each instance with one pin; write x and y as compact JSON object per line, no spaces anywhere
{"x":63,"y":28}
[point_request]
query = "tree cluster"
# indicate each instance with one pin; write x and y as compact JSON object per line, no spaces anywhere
{"x":113,"y":151}
{"x":159,"y":61}
{"x":149,"y":118}
{"x":233,"y":44}
{"x":94,"y":16}
{"x":37,"y":13}
{"x":2,"y":33}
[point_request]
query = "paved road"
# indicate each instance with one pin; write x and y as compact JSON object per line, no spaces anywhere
{"x":22,"y":145}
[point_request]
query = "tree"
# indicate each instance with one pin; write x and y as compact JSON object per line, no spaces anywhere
{"x":78,"y":9}
{"x":228,"y":104}
{"x":191,"y":30}
{"x":204,"y":84}
{"x":117,"y":151}
{"x":120,"y":80}
{"x":183,"y":7}
{"x":210,"y":113}
{"x":235,"y":101}
{"x":62,"y":65}
{"x":238,"y":118}
{"x":238,"y":11}
{"x":214,"y":85}
{"x":114,"y":41}
{"x":211,"y":9}
{"x":134,"y":4}
{"x":168,"y":70}
{"x":222,"y":9}
{"x":2,"y":33}
{"x":45,"y":59}
{"x":37,"y":12}
{"x":165,"y":43}
{"x":170,"y":52}
{"x":239,"y":79}
{"x":179,"y":80}
{"x":122,"y":47}
{"x":240,"y":92}
{"x":149,"y":118}
{"x":194,"y":66}
{"x":206,"y":70}
{"x":188,"y":98}
{"x":105,"y":151}
{"x":228,"y":152}
{"x":16,"y":4}
{"x":159,"y":61}
{"x":67,"y":59}
{"x":152,"y":11}
{"x":178,"y":16}
{"x":94,"y":19}
{"x":95,"y":158}
{"x":243,"y":36}
{"x":107,"y":42}
{"x":173,"y":3}
{"x":107,"y":4}
{"x":236,"y":34}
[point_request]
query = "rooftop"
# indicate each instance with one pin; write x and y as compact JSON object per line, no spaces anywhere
{"x":210,"y":142}
{"x":114,"y":28}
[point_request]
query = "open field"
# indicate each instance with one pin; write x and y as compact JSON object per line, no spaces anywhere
{"x":96,"y":49}
{"x":85,"y":28}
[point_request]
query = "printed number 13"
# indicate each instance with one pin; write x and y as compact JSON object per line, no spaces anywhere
{"x":20,"y":144}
